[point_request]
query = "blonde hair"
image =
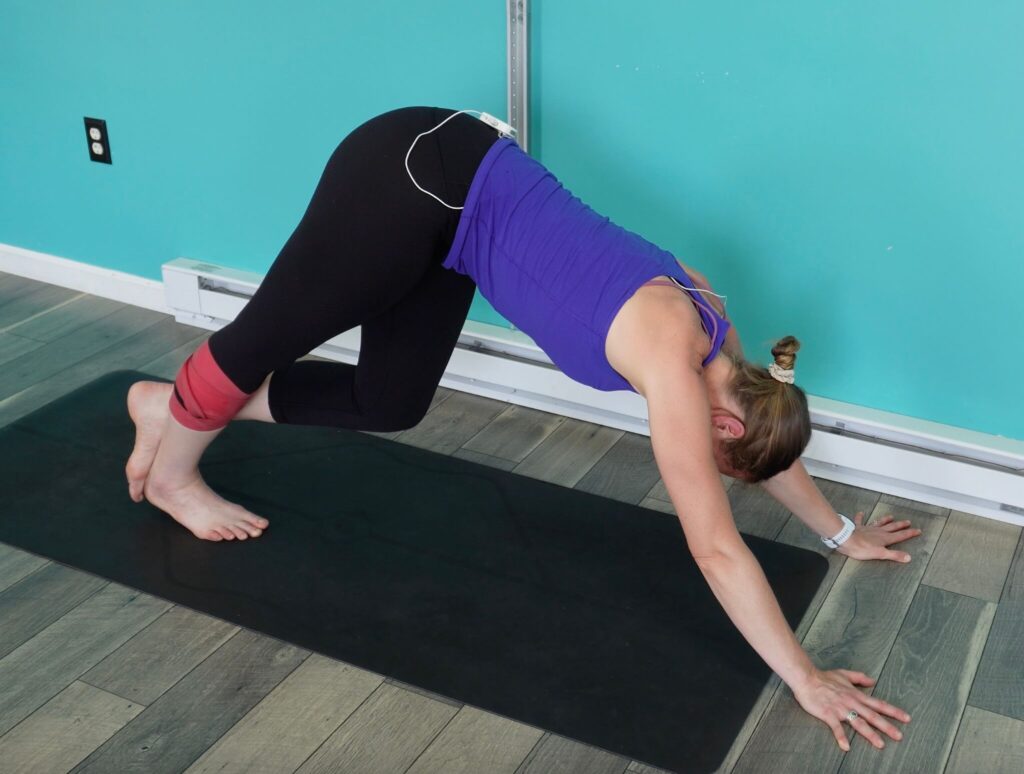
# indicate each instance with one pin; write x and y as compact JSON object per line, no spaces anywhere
{"x":778,"y":424}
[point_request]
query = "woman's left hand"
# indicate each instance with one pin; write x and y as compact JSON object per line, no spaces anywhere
{"x":873,"y":541}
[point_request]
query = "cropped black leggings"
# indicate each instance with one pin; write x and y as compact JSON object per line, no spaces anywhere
{"x":367,"y":252}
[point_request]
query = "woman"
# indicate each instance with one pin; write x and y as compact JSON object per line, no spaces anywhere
{"x":396,"y":239}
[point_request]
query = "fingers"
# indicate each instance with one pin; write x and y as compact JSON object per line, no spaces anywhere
{"x":860,"y":725}
{"x":891,"y":525}
{"x":869,"y":713}
{"x":857,"y":678}
{"x":900,"y":528}
{"x":897,"y":556}
{"x":886,"y":708}
{"x":886,"y":523}
{"x":839,"y":734}
{"x":880,"y":723}
{"x":899,"y":537}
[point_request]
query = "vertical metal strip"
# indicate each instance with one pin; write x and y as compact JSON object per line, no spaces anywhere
{"x":518,"y":71}
{"x":517,"y":60}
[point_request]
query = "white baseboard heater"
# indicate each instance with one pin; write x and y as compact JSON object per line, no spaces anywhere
{"x":925,"y":461}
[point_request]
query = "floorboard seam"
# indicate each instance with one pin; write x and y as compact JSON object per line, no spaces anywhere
{"x":432,"y":740}
{"x":9,"y":328}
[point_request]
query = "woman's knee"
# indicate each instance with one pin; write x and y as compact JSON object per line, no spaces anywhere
{"x":392,"y":415}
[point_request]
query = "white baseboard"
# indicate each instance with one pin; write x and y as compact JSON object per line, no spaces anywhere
{"x":914,"y":458}
{"x":106,"y":283}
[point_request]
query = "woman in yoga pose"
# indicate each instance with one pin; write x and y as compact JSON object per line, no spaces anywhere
{"x":396,"y":241}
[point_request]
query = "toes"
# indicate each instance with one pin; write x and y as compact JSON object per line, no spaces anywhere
{"x":249,"y":528}
{"x":238,"y":532}
{"x":250,"y":519}
{"x":135,"y":490}
{"x":135,"y":473}
{"x":225,"y":533}
{"x":211,"y":535}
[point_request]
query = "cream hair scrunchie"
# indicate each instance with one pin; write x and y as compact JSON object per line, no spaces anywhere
{"x":782,"y":374}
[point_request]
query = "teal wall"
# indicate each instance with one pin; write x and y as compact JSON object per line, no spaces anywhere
{"x":221,"y":113}
{"x":849,"y":173}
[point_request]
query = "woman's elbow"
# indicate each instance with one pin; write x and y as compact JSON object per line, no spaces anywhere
{"x":715,"y":558}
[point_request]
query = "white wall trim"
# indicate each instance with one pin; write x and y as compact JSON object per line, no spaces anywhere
{"x":84,"y":277}
{"x":905,"y":456}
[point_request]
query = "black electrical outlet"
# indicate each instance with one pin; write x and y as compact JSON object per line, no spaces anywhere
{"x":99,"y":142}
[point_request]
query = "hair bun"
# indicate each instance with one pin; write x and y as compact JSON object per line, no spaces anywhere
{"x":784,"y":352}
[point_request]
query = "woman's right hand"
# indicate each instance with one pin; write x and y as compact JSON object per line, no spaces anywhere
{"x":830,"y":695}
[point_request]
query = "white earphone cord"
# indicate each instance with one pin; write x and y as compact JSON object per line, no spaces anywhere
{"x":714,"y":319}
{"x":422,"y":134}
{"x":725,"y":298}
{"x":699,"y":290}
{"x":451,"y":207}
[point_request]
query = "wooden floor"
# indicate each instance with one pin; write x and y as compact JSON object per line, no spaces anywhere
{"x":98,"y":677}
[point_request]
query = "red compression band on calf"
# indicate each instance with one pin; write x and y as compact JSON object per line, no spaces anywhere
{"x":211,"y":399}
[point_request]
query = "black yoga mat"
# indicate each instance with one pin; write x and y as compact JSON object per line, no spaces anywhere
{"x":571,"y":612}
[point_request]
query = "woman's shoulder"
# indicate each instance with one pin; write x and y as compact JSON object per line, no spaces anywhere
{"x":655,"y":324}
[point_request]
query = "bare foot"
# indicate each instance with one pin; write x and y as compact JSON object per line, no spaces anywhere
{"x":147,"y":406}
{"x":204,"y":512}
{"x":191,"y":503}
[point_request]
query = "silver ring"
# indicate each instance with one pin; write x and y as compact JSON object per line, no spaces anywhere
{"x":852,"y":715}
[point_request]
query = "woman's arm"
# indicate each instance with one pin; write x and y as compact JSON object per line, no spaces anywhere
{"x":681,"y":438}
{"x":796,"y":490}
{"x":678,"y":410}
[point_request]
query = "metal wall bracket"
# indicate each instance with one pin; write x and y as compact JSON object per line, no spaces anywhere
{"x":518,"y":70}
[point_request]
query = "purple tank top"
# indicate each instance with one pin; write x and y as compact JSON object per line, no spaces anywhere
{"x":554,"y":267}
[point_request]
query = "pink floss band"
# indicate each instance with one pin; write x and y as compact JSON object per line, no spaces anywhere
{"x":210,"y":398}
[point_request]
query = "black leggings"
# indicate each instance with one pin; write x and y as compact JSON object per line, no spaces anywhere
{"x":367,"y":252}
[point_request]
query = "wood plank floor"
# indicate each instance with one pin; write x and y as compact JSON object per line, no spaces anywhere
{"x":101,"y":678}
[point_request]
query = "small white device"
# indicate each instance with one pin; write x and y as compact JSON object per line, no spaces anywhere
{"x":504,"y":129}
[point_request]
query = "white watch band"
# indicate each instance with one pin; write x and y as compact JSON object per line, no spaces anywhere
{"x":842,"y":536}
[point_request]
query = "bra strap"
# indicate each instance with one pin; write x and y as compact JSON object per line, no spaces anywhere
{"x":699,"y":296}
